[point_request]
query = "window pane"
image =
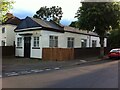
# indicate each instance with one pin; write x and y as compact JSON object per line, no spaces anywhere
{"x":36,"y":42}
{"x":19,"y":42}
{"x":53,"y":41}
{"x":70,"y":42}
{"x":83,"y":43}
{"x":3,"y":43}
{"x":56,"y":43}
{"x":3,"y":30}
{"x":94,"y":43}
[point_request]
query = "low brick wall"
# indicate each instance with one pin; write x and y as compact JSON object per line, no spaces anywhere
{"x":89,"y":52}
{"x":7,"y":50}
{"x":86,"y":52}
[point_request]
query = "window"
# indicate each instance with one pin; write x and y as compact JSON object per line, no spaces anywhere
{"x":94,"y":43}
{"x":3,"y":43}
{"x":70,"y":42}
{"x":36,"y":42}
{"x":83,"y":42}
{"x":3,"y":30}
{"x":19,"y":42}
{"x":53,"y":41}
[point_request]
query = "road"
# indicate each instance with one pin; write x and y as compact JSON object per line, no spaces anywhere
{"x":100,"y":75}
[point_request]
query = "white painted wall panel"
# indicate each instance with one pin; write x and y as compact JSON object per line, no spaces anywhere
{"x":19,"y":51}
{"x":10,"y":34}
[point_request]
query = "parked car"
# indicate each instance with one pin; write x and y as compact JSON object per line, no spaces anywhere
{"x":114,"y":53}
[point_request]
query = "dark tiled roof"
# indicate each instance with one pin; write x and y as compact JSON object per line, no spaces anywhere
{"x":75,"y":30}
{"x":30,"y":22}
{"x":13,"y":21}
{"x":47,"y":24}
{"x":27,"y":23}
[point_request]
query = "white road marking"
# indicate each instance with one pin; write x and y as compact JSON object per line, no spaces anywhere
{"x":48,"y":69}
{"x":57,"y":68}
{"x":28,"y":72}
{"x":12,"y":74}
{"x":37,"y":70}
{"x":25,"y":72}
{"x":83,"y":60}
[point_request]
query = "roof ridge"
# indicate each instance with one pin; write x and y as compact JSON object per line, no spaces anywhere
{"x":43,"y":21}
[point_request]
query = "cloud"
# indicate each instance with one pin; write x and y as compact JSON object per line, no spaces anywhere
{"x":67,"y":22}
{"x":22,"y":13}
{"x":23,"y":8}
{"x":69,"y":7}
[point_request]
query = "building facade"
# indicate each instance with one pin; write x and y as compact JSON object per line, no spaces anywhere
{"x":32,"y":35}
{"x":7,"y":34}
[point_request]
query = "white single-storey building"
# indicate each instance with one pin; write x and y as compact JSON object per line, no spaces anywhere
{"x":32,"y":35}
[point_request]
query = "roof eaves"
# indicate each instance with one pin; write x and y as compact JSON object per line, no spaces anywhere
{"x":27,"y":29}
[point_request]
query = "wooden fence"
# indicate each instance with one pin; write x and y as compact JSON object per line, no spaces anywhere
{"x":70,"y":53}
{"x":7,"y":51}
{"x":57,"y":54}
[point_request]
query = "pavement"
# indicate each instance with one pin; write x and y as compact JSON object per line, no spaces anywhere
{"x":12,"y":66}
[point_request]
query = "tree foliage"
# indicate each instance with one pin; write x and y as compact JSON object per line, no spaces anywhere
{"x":74,"y":24}
{"x":99,"y":15}
{"x":53,"y":13}
{"x":114,"y":38}
{"x":5,"y":6}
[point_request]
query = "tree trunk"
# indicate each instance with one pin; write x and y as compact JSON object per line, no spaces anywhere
{"x":102,"y":47}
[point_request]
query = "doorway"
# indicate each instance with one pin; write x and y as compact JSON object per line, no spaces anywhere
{"x":27,"y":46}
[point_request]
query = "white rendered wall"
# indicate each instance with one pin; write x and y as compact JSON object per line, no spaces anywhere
{"x":44,"y":41}
{"x":8,"y":36}
{"x":97,"y":41}
{"x":62,"y":39}
{"x":0,"y":35}
{"x":34,"y":53}
{"x":3,"y":35}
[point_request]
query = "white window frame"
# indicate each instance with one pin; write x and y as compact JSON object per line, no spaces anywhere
{"x":70,"y":42}
{"x":83,"y":43}
{"x":94,"y":43}
{"x":19,"y":42}
{"x":36,"y":42}
{"x":53,"y":41}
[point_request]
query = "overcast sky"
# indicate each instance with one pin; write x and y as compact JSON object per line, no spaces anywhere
{"x":23,"y":8}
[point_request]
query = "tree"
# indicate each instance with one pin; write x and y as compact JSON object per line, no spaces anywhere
{"x":53,"y":13}
{"x":5,"y":6}
{"x":114,"y":38}
{"x":99,"y":15}
{"x":74,"y":24}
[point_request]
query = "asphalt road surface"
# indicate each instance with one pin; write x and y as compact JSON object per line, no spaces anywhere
{"x":100,"y":75}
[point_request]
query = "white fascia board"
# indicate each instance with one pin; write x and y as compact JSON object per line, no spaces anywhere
{"x":28,"y":29}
